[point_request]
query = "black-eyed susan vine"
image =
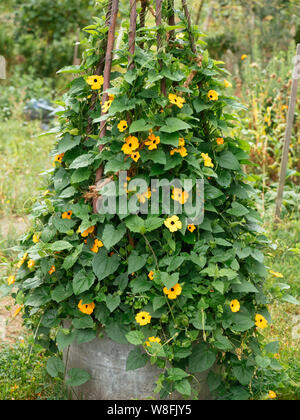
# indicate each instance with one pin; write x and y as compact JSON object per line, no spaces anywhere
{"x":189,"y":296}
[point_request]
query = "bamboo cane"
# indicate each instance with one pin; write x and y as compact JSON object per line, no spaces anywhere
{"x":287,"y":138}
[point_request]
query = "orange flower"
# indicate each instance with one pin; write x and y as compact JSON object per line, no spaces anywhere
{"x":59,"y":158}
{"x":31,"y":264}
{"x":67,"y":215}
{"x":131,"y":144}
{"x":191,"y":228}
{"x":153,"y":340}
{"x":135,"y":156}
{"x":220,"y":140}
{"x":87,"y":308}
{"x":272,"y":395}
{"x":52,"y":270}
{"x":261,"y":322}
{"x":151,"y":275}
{"x":213,"y":95}
{"x":97,"y":244}
{"x":152,"y":142}
{"x":88,"y":231}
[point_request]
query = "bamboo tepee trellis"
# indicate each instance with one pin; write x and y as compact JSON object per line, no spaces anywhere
{"x":107,"y":47}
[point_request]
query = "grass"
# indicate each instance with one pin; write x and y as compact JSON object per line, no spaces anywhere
{"x":24,"y":157}
{"x":285,"y":260}
{"x":23,"y":375}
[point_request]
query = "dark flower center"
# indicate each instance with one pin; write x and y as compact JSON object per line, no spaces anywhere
{"x":95,"y":80}
{"x":172,"y":290}
{"x":172,"y":223}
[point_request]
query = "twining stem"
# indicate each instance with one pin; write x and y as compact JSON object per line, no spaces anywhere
{"x":132,"y":33}
{"x":100,"y":66}
{"x":158,"y":19}
{"x":188,"y":18}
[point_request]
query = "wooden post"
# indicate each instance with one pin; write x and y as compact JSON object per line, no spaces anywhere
{"x":132,"y":33}
{"x":188,"y":18}
{"x":106,"y":75}
{"x":287,"y":138}
{"x":2,"y":67}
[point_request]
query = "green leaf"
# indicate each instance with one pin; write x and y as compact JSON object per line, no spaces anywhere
{"x":77,"y":377}
{"x":55,"y":366}
{"x":117,"y":332}
{"x":290,"y":299}
{"x":201,"y":359}
{"x":242,"y":322}
{"x":173,"y":125}
{"x":60,"y":246}
{"x":272,"y":347}
{"x":227,"y":160}
{"x":61,"y":292}
{"x":136,"y":262}
{"x":85,"y":336}
{"x":70,"y":260}
{"x":153,"y":223}
{"x":136,"y":360}
{"x":243,"y":373}
{"x":63,"y":339}
{"x":183,"y":387}
{"x":112,"y":236}
{"x":169,"y":280}
{"x":158,"y":302}
{"x":83,"y":281}
{"x":237,"y":210}
{"x":140,"y":125}
{"x":80,"y":175}
{"x":83,"y":322}
{"x":112,"y":302}
{"x":82,"y":161}
{"x":135,"y":337}
{"x":263,"y":362}
{"x":176,"y":374}
{"x":68,"y":142}
{"x":135,"y":223}
{"x":104,"y":266}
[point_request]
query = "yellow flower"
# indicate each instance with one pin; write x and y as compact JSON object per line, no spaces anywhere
{"x":244,"y":56}
{"x":59,"y":158}
{"x":213,"y":95}
{"x":272,"y":395}
{"x":235,"y":305}
{"x":122,"y":126}
{"x":227,"y":84}
{"x":182,"y":151}
{"x":105,"y":107}
{"x":152,"y":142}
{"x":17,"y":311}
{"x":88,"y":231}
{"x":52,"y":270}
{"x":174,"y":292}
{"x":95,"y":82}
{"x":111,"y":97}
{"x":135,"y":156}
{"x":180,"y":196}
{"x":275,"y":274}
{"x":181,"y":142}
{"x":67,"y":215}
{"x":22,"y":260}
{"x":11,"y":280}
{"x":260,"y":321}
{"x":176,"y":100}
{"x":144,"y":196}
{"x":143,"y":318}
{"x":87,"y":308}
{"x":31,"y":264}
{"x":131,"y":144}
{"x":191,"y":228}
{"x":220,"y":140}
{"x":173,"y":223}
{"x":153,"y":340}
{"x":207,"y":160}
{"x":151,"y":275}
{"x":35,"y":238}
